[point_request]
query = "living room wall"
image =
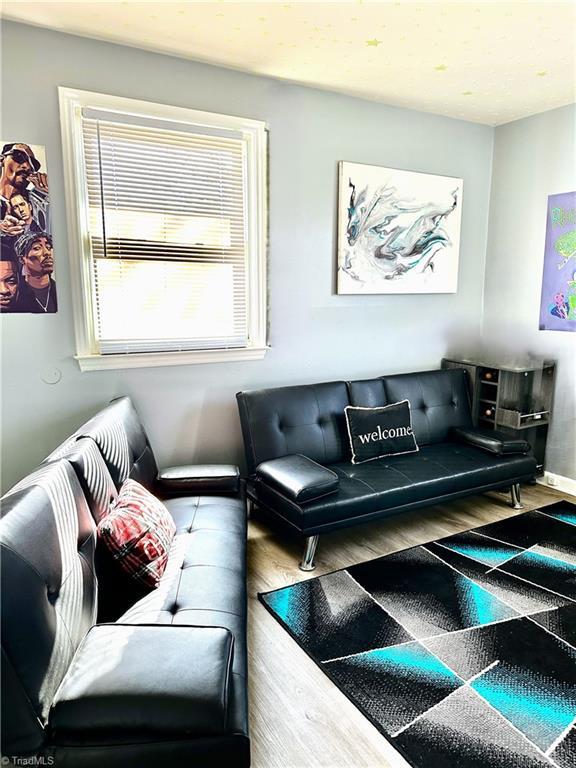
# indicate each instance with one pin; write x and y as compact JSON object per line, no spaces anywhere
{"x":190,"y":411}
{"x":533,"y":158}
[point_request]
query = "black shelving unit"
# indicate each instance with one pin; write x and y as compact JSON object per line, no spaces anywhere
{"x":512,"y":398}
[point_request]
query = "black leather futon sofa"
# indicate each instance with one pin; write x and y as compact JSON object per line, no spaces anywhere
{"x":299,"y":459}
{"x":96,"y":671}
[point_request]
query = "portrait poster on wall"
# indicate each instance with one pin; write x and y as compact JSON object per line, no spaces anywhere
{"x":27,"y":283}
{"x":558,"y":298}
{"x":398,"y":231}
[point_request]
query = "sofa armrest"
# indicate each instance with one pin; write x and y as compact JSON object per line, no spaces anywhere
{"x":298,"y":477}
{"x":131,"y":681}
{"x":491,"y":440}
{"x":198,"y":478}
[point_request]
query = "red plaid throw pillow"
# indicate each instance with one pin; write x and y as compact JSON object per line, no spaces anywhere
{"x":138,"y":531}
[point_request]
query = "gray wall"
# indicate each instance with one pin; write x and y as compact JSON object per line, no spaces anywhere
{"x":533,"y":158}
{"x":190,"y":411}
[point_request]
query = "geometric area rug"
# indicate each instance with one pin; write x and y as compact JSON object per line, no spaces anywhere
{"x":462,"y":652}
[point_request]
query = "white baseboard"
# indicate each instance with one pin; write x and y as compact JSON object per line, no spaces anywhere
{"x":558,"y":482}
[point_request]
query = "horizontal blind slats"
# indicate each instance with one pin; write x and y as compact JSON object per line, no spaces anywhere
{"x":114,"y":198}
{"x":168,"y":237}
{"x":147,"y":134}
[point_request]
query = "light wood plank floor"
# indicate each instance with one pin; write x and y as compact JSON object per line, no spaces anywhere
{"x":298,"y":718}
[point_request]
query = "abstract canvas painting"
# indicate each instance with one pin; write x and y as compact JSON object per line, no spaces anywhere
{"x":26,"y":255}
{"x":558,"y":298}
{"x":398,"y":231}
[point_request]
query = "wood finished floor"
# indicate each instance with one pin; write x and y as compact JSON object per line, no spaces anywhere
{"x":298,"y":718}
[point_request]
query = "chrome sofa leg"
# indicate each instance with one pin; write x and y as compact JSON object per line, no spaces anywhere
{"x":308,"y":563}
{"x":515,"y":497}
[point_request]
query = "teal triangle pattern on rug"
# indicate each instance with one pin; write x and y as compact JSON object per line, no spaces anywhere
{"x":451,"y":673}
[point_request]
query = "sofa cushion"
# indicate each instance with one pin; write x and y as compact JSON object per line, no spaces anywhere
{"x":205,"y":579}
{"x":214,"y":512}
{"x":116,"y":589}
{"x":92,"y":473}
{"x":138,"y":531}
{"x":378,"y":432}
{"x":439,"y":400}
{"x":122,"y":440}
{"x":397,"y":481}
{"x":305,"y":419}
{"x":368,"y":393}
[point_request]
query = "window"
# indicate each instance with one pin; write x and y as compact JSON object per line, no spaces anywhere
{"x":167,"y":215}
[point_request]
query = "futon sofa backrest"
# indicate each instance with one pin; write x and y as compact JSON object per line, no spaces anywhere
{"x":47,"y":540}
{"x":122,"y":440}
{"x":92,"y":472}
{"x":439,"y":400}
{"x":116,"y":591}
{"x":103,"y":452}
{"x":307,"y":419}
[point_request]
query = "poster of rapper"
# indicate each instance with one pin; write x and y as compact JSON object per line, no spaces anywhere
{"x":558,"y":299}
{"x":398,"y":231}
{"x":27,"y":257}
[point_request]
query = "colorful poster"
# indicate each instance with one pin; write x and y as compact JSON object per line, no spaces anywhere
{"x":558,"y":301}
{"x":27,"y":256}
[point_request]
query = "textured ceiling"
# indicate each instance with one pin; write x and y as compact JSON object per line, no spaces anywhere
{"x":489,"y":62}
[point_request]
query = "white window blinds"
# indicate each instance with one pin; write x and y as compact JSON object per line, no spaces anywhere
{"x":167,"y":223}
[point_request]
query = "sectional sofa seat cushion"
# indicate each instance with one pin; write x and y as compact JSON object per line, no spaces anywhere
{"x":432,"y":475}
{"x":204,"y":581}
{"x":138,"y":531}
{"x":378,"y":432}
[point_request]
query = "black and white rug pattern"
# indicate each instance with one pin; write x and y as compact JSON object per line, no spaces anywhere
{"x":462,"y":652}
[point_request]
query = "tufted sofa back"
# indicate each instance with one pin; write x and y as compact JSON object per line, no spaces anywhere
{"x":122,"y":440}
{"x":309,"y":419}
{"x":439,"y":400}
{"x":47,"y":540}
{"x":306,"y":419}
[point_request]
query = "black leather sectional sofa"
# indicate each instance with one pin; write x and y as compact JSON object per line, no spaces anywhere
{"x":298,"y":454}
{"x":96,"y":672}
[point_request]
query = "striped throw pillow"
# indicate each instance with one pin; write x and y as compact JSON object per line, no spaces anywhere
{"x":138,"y":531}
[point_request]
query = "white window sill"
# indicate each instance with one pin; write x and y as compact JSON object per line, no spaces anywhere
{"x":157,"y":359}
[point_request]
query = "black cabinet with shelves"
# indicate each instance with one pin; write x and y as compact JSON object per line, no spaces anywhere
{"x":511,"y":398}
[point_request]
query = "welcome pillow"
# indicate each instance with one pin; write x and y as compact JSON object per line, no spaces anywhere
{"x":138,"y":531}
{"x":378,"y":432}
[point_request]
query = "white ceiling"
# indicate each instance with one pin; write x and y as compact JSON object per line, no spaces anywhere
{"x":490,"y":62}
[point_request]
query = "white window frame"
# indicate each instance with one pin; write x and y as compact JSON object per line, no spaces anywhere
{"x":89,"y":358}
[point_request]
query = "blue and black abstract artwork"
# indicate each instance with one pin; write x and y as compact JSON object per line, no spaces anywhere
{"x":462,"y":652}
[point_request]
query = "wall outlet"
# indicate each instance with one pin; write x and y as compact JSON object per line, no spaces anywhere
{"x":551,"y":480}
